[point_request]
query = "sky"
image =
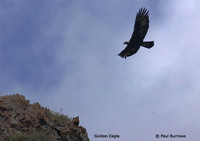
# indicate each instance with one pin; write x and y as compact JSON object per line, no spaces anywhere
{"x":63,"y":54}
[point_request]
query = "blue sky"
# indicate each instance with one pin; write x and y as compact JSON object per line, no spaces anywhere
{"x":63,"y":54}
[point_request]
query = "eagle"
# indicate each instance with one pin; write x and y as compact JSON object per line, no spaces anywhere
{"x":140,"y":30}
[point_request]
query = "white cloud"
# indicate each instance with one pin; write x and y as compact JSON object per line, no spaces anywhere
{"x":152,"y":92}
{"x":149,"y":93}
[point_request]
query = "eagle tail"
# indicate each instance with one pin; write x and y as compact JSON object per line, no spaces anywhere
{"x":148,"y":44}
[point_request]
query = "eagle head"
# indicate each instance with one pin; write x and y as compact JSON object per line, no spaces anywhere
{"x":127,"y":42}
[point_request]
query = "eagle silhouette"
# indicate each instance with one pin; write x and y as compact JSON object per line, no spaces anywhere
{"x":140,"y":30}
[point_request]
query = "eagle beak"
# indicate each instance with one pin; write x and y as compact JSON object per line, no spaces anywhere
{"x":126,"y":42}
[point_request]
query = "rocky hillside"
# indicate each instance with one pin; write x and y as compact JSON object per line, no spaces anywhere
{"x":22,"y":121}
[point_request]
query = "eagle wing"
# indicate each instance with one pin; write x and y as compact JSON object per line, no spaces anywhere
{"x":141,"y":26}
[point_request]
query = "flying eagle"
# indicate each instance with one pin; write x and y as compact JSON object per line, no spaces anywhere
{"x":140,"y":30}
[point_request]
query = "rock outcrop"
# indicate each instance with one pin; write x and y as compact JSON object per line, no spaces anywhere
{"x":19,"y":117}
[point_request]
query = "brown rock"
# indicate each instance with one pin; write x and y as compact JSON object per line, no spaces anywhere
{"x":75,"y":121}
{"x":17,"y":115}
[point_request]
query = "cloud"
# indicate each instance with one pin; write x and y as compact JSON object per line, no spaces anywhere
{"x":64,"y":55}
